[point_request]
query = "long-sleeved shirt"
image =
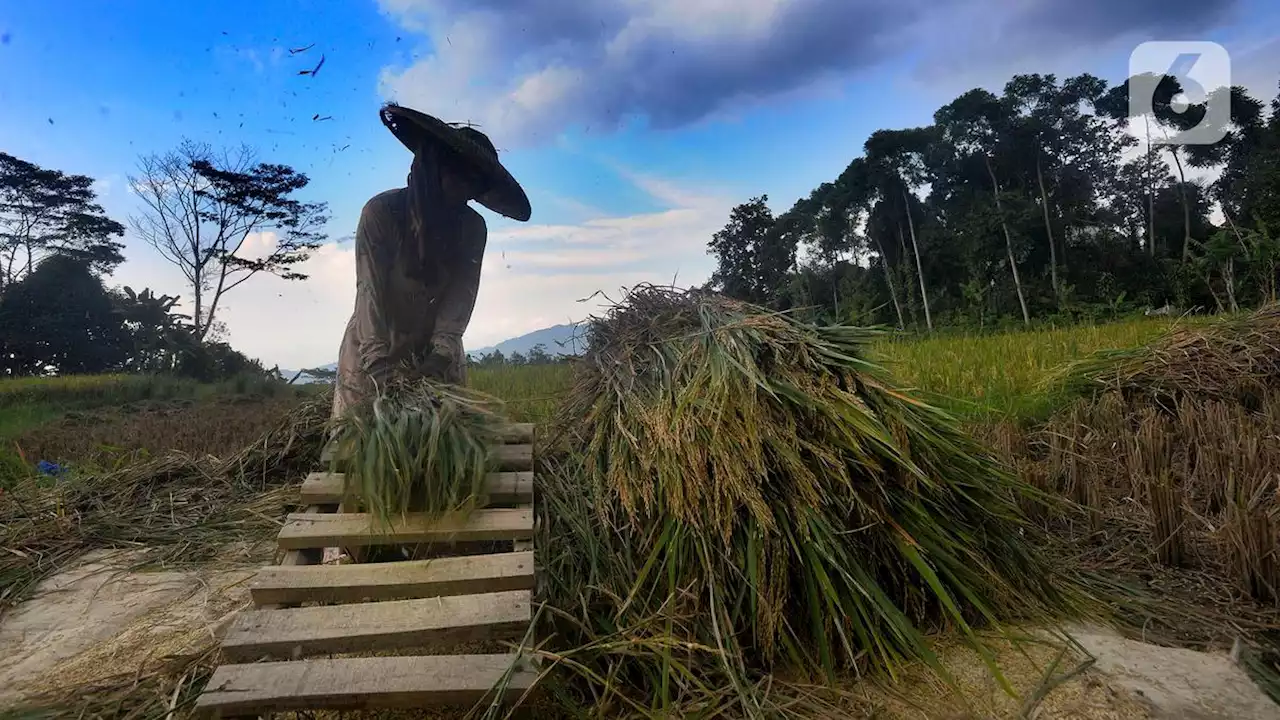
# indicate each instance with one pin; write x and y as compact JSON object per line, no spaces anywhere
{"x":398,"y":317}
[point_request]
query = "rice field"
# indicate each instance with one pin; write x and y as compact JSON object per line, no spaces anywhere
{"x":975,"y":375}
{"x":1004,"y":375}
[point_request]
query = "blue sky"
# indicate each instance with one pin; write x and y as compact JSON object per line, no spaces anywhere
{"x":634,"y":125}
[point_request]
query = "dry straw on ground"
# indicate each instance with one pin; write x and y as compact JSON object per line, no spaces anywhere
{"x":729,"y":492}
{"x":1172,"y":453}
{"x":184,"y":508}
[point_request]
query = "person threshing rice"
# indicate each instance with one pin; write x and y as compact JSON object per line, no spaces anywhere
{"x":418,"y":256}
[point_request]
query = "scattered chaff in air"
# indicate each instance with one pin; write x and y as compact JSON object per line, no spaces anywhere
{"x":312,"y":72}
{"x":295,"y":51}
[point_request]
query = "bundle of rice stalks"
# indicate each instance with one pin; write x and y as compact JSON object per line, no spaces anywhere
{"x":728,"y":492}
{"x":1234,"y":358}
{"x":419,"y":445}
{"x":183,"y":508}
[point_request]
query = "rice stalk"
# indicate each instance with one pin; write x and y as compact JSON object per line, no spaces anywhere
{"x":422,"y":446}
{"x":729,"y":492}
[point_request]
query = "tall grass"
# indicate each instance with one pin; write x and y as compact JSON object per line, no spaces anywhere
{"x":1004,"y":374}
{"x":83,"y":391}
{"x":530,"y":392}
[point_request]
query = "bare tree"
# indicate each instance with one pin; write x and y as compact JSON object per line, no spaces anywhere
{"x":201,"y":208}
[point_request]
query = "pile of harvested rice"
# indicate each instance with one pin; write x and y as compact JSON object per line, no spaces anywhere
{"x":418,"y":445}
{"x":729,"y":492}
{"x":1235,"y":358}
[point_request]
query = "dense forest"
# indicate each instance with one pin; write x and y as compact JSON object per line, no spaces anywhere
{"x":1038,"y":203}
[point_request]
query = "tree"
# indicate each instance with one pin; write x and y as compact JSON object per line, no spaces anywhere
{"x":47,"y":211}
{"x":202,"y":208}
{"x":538,"y":355}
{"x":157,"y":335}
{"x":59,"y":318}
{"x":895,"y":162}
{"x":973,"y":125}
{"x":752,"y":255}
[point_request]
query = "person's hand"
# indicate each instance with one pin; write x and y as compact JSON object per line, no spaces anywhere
{"x":437,"y":365}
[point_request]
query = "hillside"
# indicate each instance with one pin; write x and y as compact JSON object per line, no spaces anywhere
{"x":556,"y":340}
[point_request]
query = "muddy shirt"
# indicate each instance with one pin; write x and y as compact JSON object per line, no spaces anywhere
{"x":399,"y":317}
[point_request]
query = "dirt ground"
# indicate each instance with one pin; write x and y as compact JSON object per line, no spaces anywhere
{"x":87,"y":623}
{"x":91,"y":621}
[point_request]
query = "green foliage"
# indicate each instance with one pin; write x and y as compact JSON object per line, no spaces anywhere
{"x":59,"y":316}
{"x":753,"y":256}
{"x":45,"y":212}
{"x":1020,"y":205}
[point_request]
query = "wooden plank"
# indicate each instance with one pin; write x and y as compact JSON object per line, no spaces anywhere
{"x":308,"y":556}
{"x":468,"y":575}
{"x":518,"y":433}
{"x":307,"y":530}
{"x":514,"y":433}
{"x":355,"y":552}
{"x":509,"y":457}
{"x":368,"y":627}
{"x":503,"y":488}
{"x":514,"y":457}
{"x":361,"y":683}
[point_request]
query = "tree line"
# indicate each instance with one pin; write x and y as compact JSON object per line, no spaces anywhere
{"x":537,"y":355}
{"x":1035,"y":203}
{"x":201,"y":210}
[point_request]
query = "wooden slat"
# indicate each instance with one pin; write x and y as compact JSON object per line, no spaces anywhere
{"x":467,"y":575}
{"x":503,"y":488}
{"x":368,"y":627}
{"x":514,"y":433}
{"x":307,"y":530}
{"x":510,"y":457}
{"x":360,"y":683}
{"x":517,"y":433}
{"x":514,"y":457}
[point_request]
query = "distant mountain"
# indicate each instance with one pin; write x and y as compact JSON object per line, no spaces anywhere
{"x":555,"y":340}
{"x":304,"y":378}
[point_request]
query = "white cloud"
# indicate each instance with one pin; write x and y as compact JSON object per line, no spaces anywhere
{"x":533,"y":277}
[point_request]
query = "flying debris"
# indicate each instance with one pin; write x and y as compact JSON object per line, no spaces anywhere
{"x":317,"y":117}
{"x":344,"y":147}
{"x":50,"y":121}
{"x":312,"y":72}
{"x":295,"y":51}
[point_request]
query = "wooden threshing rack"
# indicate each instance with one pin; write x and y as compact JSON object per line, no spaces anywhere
{"x":277,"y":656}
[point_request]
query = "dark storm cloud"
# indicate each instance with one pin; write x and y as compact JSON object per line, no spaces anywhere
{"x":534,"y":67}
{"x":1099,"y":21}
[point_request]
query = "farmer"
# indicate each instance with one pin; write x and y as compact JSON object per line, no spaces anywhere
{"x":418,"y":255}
